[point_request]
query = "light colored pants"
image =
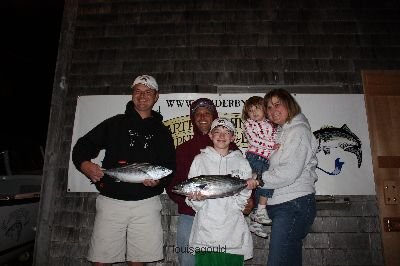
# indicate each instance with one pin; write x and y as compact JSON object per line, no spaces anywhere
{"x":126,"y":231}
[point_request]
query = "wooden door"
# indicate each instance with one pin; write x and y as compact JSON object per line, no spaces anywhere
{"x":382,"y":100}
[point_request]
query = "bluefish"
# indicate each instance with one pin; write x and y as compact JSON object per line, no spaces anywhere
{"x":333,"y":137}
{"x":211,"y":186}
{"x":138,"y":172}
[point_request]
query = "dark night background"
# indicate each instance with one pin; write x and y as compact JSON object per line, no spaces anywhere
{"x":30,"y":31}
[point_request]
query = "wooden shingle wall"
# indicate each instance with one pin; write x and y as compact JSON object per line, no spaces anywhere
{"x":307,"y":46}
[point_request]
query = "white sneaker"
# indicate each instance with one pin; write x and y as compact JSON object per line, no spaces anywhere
{"x":261,"y":217}
{"x":257,"y":229}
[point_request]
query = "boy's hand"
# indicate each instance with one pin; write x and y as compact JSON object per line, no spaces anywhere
{"x":252,"y":183}
{"x":249,"y":206}
{"x":196,"y":196}
{"x":260,"y":181}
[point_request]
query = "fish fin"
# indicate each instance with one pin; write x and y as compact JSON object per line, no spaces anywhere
{"x":178,"y":192}
{"x":326,"y":126}
{"x":260,"y":182}
{"x":202,"y":186}
{"x":113,"y":178}
{"x":346,"y":128}
{"x":116,"y":180}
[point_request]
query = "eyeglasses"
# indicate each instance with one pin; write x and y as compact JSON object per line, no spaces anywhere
{"x":146,"y":93}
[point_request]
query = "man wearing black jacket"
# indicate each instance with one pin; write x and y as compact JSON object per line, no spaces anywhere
{"x":128,"y":219}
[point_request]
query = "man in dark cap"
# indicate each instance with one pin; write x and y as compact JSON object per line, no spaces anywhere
{"x":202,"y":113}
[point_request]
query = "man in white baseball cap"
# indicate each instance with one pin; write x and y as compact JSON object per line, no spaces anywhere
{"x":128,"y":221}
{"x":144,"y":94}
{"x":146,"y":80}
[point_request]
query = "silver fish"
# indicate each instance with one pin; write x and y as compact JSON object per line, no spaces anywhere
{"x":138,"y":172}
{"x":211,"y":186}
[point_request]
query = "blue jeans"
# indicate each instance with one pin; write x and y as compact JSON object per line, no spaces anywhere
{"x":259,"y":164}
{"x":291,"y":222}
{"x":183,"y":230}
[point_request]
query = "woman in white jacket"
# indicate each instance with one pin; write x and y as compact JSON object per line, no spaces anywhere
{"x":292,"y":175}
{"x":219,"y":226}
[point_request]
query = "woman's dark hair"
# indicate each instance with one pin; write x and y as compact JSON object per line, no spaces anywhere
{"x":286,"y":99}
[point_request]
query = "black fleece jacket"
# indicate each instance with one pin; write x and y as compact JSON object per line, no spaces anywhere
{"x":127,"y":138}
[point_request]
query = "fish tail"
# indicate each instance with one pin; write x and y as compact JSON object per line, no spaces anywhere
{"x":260,"y":181}
{"x":356,"y":150}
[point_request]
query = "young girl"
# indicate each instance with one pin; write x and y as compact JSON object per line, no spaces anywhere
{"x":260,"y":134}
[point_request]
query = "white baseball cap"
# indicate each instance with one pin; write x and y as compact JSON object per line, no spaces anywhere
{"x":223,"y":122}
{"x":146,"y":80}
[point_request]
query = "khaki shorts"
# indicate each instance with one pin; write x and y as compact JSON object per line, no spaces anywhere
{"x":126,"y":231}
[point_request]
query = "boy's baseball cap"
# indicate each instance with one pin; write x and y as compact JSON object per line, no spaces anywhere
{"x":146,"y":80}
{"x":223,"y":122}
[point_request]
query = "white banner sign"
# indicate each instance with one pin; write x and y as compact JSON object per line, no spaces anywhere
{"x":338,"y":121}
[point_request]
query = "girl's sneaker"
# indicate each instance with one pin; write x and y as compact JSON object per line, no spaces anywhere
{"x":257,"y":229}
{"x":261,"y":217}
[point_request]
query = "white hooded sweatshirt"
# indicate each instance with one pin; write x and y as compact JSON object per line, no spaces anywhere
{"x":219,"y":223}
{"x":292,"y":167}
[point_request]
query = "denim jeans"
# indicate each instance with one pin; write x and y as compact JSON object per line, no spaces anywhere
{"x":259,"y":164}
{"x":291,"y":222}
{"x":183,"y":230}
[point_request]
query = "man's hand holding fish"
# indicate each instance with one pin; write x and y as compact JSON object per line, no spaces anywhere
{"x":151,"y":182}
{"x":92,"y":171}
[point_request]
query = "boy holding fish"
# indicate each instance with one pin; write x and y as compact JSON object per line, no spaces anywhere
{"x":219,"y":224}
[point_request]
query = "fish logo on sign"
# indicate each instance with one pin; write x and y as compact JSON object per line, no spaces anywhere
{"x":338,"y":138}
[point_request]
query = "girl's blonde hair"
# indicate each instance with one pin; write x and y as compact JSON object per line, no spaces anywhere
{"x":286,"y":99}
{"x":252,"y":101}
